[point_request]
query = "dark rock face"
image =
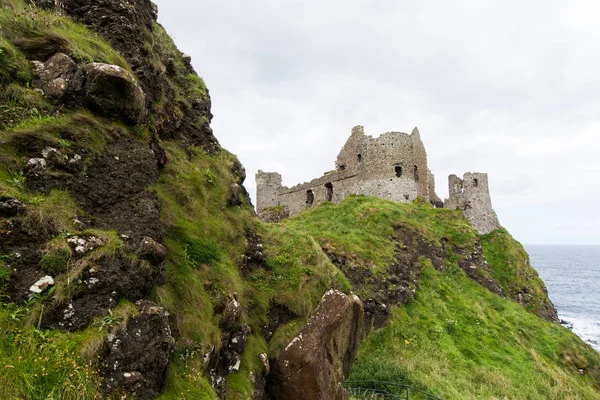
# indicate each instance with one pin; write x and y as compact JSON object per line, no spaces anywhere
{"x":99,"y":290}
{"x":237,"y":195}
{"x":24,"y":248}
{"x":136,"y":358}
{"x":114,"y":191}
{"x":123,"y":23}
{"x":316,"y":362}
{"x":253,"y":258}
{"x":546,"y":309}
{"x":278,"y":315}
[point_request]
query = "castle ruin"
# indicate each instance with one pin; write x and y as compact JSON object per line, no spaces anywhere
{"x":392,"y":166}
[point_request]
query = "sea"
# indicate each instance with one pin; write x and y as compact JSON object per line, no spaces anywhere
{"x":572,"y":275}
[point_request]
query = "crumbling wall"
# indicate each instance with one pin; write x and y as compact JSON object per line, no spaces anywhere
{"x":420,"y":169}
{"x":267,"y":187}
{"x":392,"y":166}
{"x":471,"y":195}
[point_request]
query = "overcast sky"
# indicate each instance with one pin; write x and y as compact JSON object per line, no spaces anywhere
{"x":511,"y":88}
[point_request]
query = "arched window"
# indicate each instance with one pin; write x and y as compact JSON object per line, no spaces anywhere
{"x":359,"y":158}
{"x":475,"y":182}
{"x":416,"y":172}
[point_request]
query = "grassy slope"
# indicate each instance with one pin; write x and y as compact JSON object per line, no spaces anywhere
{"x":510,"y":266}
{"x":459,"y":341}
{"x":205,"y":240}
{"x":456,"y":340}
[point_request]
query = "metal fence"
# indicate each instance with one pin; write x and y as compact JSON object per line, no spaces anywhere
{"x":380,"y":390}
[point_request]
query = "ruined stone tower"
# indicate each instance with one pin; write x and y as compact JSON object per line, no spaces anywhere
{"x":392,"y":166}
{"x":471,"y":195}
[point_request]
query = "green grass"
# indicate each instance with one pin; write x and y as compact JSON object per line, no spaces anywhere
{"x":362,"y":227}
{"x":31,"y":29}
{"x":205,"y":239}
{"x":510,"y":266}
{"x":458,"y":341}
{"x":187,"y":86}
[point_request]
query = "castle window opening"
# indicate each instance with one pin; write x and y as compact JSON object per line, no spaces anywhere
{"x":329,"y":191}
{"x":475,"y":182}
{"x":359,"y":158}
{"x":416,"y":172}
{"x":398,"y":169}
{"x":310,"y":197}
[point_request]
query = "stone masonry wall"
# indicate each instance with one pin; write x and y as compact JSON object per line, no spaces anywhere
{"x":471,"y":195}
{"x":392,"y":166}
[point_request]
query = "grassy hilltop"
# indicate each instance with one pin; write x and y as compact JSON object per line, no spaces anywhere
{"x":444,"y":331}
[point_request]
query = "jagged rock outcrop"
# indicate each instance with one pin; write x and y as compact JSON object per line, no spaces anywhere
{"x":128,"y":24}
{"x":474,"y":264}
{"x":136,"y":356}
{"x":315,"y":363}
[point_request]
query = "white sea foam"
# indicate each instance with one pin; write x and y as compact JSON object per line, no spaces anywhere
{"x":586,"y":328}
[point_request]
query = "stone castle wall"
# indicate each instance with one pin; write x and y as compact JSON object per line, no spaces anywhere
{"x":471,"y":195}
{"x":392,"y":166}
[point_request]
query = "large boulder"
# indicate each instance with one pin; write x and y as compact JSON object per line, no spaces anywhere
{"x":106,"y":89}
{"x":315,"y":364}
{"x":114,"y":92}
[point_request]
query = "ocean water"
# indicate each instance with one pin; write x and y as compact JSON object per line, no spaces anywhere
{"x":572,"y":276}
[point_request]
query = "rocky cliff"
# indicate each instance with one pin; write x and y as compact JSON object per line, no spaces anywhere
{"x":132,"y":264}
